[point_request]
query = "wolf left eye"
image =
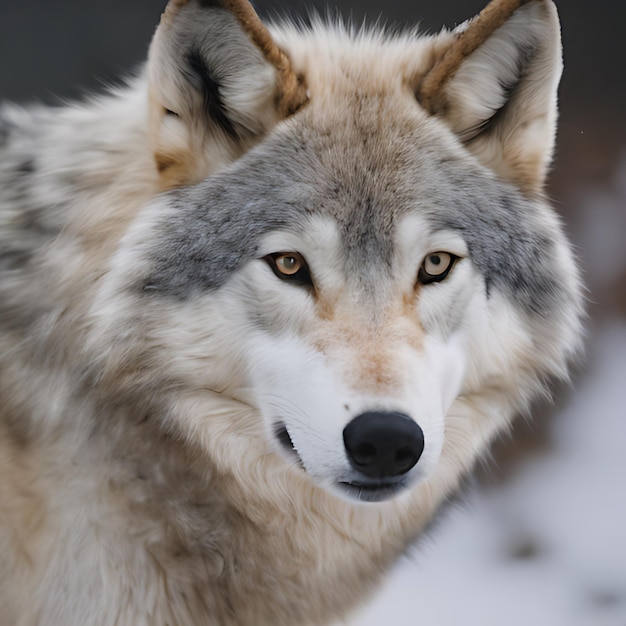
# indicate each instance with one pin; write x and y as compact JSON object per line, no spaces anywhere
{"x":435,"y":267}
{"x":290,"y":266}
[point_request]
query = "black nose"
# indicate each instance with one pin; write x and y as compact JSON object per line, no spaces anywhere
{"x":383,"y":445}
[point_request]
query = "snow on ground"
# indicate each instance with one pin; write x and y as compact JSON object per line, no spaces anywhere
{"x":548,"y":546}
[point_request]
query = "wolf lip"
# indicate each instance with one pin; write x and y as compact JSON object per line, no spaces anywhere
{"x":371,"y":492}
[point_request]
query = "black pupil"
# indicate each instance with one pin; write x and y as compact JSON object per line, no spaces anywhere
{"x":435,"y":260}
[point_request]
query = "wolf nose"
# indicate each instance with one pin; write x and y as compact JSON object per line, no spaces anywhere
{"x":383,"y":445}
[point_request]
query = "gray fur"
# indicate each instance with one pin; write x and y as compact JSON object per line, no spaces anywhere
{"x":507,"y":244}
{"x":216,"y":224}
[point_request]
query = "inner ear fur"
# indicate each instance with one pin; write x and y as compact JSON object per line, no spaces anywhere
{"x":495,"y":85}
{"x":218,"y":83}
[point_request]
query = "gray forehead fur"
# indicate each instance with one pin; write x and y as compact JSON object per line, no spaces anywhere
{"x":216,"y":225}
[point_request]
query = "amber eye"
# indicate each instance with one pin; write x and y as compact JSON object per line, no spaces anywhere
{"x":435,"y":267}
{"x":290,"y":266}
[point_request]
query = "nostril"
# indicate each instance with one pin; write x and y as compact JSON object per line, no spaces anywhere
{"x":406,"y":459}
{"x":364,"y":454}
{"x":383,"y":445}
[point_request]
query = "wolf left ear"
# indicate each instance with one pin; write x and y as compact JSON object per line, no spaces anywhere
{"x":495,"y":85}
{"x":218,"y":83}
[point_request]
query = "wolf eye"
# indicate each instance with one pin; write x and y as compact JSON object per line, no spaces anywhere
{"x":290,"y":266}
{"x":435,"y":267}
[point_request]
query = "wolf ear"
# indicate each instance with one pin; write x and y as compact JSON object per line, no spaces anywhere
{"x":495,"y":85}
{"x":217,"y":83}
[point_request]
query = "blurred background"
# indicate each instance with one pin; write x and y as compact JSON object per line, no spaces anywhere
{"x":541,"y":536}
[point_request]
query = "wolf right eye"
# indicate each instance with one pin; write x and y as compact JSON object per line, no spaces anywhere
{"x":290,"y":266}
{"x":435,"y":267}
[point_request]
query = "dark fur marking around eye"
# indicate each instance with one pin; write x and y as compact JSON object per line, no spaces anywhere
{"x":301,"y":277}
{"x":209,"y":86}
{"x":425,"y":278}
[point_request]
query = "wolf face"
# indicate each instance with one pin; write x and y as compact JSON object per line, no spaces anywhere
{"x":358,"y":279}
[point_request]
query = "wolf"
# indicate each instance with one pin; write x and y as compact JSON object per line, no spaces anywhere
{"x":264,"y":306}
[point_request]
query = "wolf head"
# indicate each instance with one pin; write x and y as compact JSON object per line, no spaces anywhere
{"x":352,"y":270}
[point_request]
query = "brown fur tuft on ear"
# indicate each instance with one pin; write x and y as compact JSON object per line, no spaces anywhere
{"x":291,"y":89}
{"x":494,"y":84}
{"x":430,"y":93}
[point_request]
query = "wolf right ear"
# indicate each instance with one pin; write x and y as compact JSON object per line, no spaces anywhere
{"x":494,"y":82}
{"x":218,"y":83}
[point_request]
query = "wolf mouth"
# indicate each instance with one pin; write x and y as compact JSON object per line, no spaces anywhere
{"x":376,"y":492}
